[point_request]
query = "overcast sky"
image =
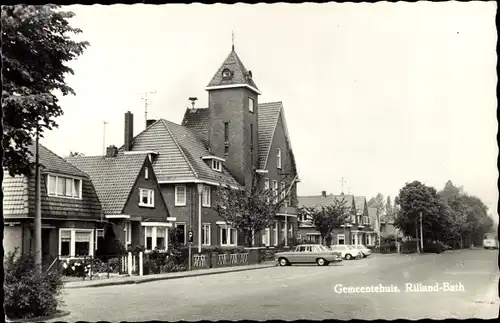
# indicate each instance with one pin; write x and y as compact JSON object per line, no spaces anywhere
{"x":379,"y":94}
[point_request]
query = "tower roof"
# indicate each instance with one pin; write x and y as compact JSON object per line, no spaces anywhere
{"x":232,"y":73}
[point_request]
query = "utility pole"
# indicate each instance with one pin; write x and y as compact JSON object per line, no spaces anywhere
{"x":421,"y":234}
{"x":147,"y":103}
{"x":104,"y":137}
{"x":38,"y":204}
{"x":416,"y":235}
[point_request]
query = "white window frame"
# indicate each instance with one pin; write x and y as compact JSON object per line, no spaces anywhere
{"x":207,"y":239}
{"x":266,"y":188}
{"x":154,"y":235}
{"x":146,"y":172}
{"x":206,"y":200}
{"x":150,"y":195}
{"x":185,"y":230}
{"x":278,"y":158}
{"x":55,"y":176}
{"x":275,"y":191}
{"x":267,"y":235}
{"x":339,"y":236}
{"x":72,"y":241}
{"x":282,"y":190}
{"x":229,"y":233}
{"x":177,"y":201}
{"x":217,"y":165}
{"x":127,"y":229}
{"x":275,"y":229}
{"x":251,"y":104}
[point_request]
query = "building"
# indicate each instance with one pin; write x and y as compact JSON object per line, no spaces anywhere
{"x":365,"y":233}
{"x":70,"y":209}
{"x":227,"y":143}
{"x":130,"y":195}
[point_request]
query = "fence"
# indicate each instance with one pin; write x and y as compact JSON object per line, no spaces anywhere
{"x":89,"y":267}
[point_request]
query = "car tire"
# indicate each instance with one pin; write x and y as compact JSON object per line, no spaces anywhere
{"x":283,"y":262}
{"x":348,"y":256}
{"x":321,"y":262}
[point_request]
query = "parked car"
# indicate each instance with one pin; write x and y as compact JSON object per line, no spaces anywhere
{"x":347,"y":251}
{"x":308,"y":253}
{"x":490,"y":244}
{"x":364,"y":250}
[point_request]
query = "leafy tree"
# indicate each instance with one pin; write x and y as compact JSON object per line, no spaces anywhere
{"x":36,"y":46}
{"x":388,"y":208}
{"x":327,"y":218}
{"x":248,"y":209}
{"x":111,"y":245}
{"x":75,"y":154}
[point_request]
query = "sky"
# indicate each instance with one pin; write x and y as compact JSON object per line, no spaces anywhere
{"x":377,"y":94}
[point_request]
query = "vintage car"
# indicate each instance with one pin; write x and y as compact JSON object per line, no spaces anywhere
{"x":364,"y":250}
{"x":308,"y":253}
{"x":347,"y":252}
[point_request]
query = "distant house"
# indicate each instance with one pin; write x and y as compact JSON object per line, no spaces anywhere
{"x":228,"y":143}
{"x":365,"y":233}
{"x":131,"y":197}
{"x":71,"y":210}
{"x":380,"y":223}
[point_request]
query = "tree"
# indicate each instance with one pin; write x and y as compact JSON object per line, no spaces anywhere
{"x":389,"y":209}
{"x":111,"y":245}
{"x":75,"y":154}
{"x":327,"y":218}
{"x":248,"y":210}
{"x":36,"y":46}
{"x":378,"y":203}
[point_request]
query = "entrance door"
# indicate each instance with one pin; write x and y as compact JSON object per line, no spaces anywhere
{"x":47,"y":258}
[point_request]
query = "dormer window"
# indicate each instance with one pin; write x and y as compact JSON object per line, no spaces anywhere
{"x":226,"y":73}
{"x":146,"y":172}
{"x":278,"y":158}
{"x":216,"y":165}
{"x":63,"y":186}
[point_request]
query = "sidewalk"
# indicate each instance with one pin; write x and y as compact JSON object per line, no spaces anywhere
{"x":149,"y":278}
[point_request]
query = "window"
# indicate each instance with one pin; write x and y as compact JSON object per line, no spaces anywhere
{"x":275,"y":231}
{"x":182,"y":234}
{"x":290,"y":230}
{"x":283,"y":190}
{"x":228,"y":236}
{"x":250,"y":104}
{"x":266,"y":237}
{"x":160,"y":237}
{"x":266,"y":188}
{"x":146,"y":172}
{"x":205,"y":234}
{"x":206,"y":196}
{"x":127,"y":229}
{"x":275,"y":191}
{"x":149,"y":238}
{"x":180,"y":195}
{"x":216,"y":165}
{"x":341,"y":239}
{"x":64,"y":186}
{"x":278,"y":158}
{"x":226,"y":132}
{"x":146,"y":197}
{"x":76,"y":242}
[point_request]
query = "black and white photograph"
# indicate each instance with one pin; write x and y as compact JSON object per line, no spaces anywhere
{"x":188,"y":162}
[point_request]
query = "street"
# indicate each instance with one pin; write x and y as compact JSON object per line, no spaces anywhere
{"x":308,"y":292}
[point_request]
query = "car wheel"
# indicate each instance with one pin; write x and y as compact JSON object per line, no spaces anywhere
{"x":283,"y":262}
{"x":348,"y":256}
{"x":321,"y":262}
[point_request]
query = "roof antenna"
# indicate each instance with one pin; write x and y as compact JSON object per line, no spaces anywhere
{"x":232,"y":39}
{"x":193,"y":100}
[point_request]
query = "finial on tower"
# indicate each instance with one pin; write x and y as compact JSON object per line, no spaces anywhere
{"x":232,"y":39}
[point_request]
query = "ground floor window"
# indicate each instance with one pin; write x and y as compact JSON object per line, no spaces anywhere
{"x":313,"y":238}
{"x":266,"y":237}
{"x":127,"y":229}
{"x":182,"y":230}
{"x":76,"y":242}
{"x":205,"y":234}
{"x":228,"y":236}
{"x":155,"y":237}
{"x":290,"y":230}
{"x":275,"y":230}
{"x":340,"y":239}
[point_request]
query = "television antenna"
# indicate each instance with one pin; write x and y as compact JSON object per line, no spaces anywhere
{"x":147,"y":103}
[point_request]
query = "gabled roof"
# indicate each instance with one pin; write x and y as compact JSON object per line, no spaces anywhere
{"x":51,"y":162}
{"x":240,"y":74}
{"x":269,"y":114}
{"x":197,"y":120}
{"x":180,"y":154}
{"x":113,"y":177}
{"x":360,"y":202}
{"x":319,"y":200}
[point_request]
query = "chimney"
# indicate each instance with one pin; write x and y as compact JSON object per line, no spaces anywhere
{"x":150,"y":122}
{"x":193,"y":99}
{"x":323,"y":193}
{"x":111,"y":151}
{"x":129,"y":130}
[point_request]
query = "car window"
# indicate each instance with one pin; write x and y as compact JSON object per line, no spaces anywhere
{"x":302,"y":249}
{"x":308,"y":249}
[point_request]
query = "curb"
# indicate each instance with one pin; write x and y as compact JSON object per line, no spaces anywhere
{"x":152,"y":279}
{"x":56,"y":315}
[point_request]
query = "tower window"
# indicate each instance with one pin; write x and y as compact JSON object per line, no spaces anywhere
{"x":226,"y":132}
{"x":250,"y":104}
{"x":226,"y":73}
{"x":278,"y":158}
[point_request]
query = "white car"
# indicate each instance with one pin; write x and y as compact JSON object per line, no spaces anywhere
{"x":347,"y":251}
{"x":364,"y":250}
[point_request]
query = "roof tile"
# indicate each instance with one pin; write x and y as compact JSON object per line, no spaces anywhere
{"x":240,"y":73}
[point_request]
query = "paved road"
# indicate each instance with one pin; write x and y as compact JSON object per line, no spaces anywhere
{"x":307,"y":292}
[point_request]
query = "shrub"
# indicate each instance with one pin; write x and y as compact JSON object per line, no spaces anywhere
{"x":29,"y":293}
{"x":388,"y":248}
{"x":409,"y":247}
{"x":434,"y":247}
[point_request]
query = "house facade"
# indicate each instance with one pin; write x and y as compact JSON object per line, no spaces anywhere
{"x":131,"y":198}
{"x":227,"y":143}
{"x":70,"y":209}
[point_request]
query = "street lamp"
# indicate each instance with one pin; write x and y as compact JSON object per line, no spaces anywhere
{"x":200,"y":192}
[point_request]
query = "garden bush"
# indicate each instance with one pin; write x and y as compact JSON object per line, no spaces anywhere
{"x":409,"y":247}
{"x":388,"y":248}
{"x":434,"y":247}
{"x":29,"y":293}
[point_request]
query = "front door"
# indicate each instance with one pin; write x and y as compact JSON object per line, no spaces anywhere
{"x":47,"y":258}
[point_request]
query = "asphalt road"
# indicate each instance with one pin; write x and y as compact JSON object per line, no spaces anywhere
{"x":308,"y":292}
